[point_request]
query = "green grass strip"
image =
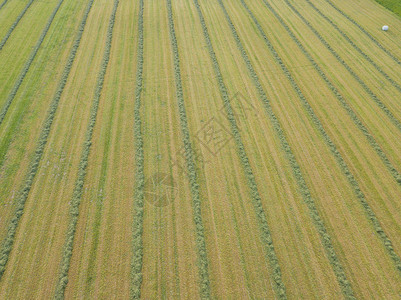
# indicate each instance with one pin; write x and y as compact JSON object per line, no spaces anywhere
{"x":359,"y":50}
{"x":394,"y":172}
{"x":4,"y":40}
{"x":27,"y":65}
{"x":255,"y":195}
{"x":340,"y":160}
{"x":137,"y":242}
{"x":391,"y":5}
{"x":189,"y":157}
{"x":8,"y":242}
{"x":82,"y":168}
{"x":386,"y":3}
{"x":372,"y":95}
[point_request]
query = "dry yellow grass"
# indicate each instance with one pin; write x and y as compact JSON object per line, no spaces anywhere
{"x":281,"y":213}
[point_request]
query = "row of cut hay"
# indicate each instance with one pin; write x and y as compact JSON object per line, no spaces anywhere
{"x":317,"y":220}
{"x":8,"y":137}
{"x":256,"y":199}
{"x":4,"y":40}
{"x":325,"y":238}
{"x":28,"y":64}
{"x":394,"y":172}
{"x":108,"y":155}
{"x":342,"y":164}
{"x":359,"y":50}
{"x":189,"y":157}
{"x":3,"y":3}
{"x":83,"y":163}
{"x":137,"y":242}
{"x":374,"y":97}
{"x":376,"y":42}
{"x":8,"y":242}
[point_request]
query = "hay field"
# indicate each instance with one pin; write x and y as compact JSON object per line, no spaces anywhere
{"x":245,"y":149}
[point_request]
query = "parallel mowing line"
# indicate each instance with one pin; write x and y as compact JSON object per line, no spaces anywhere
{"x":24,"y":71}
{"x":4,"y":40}
{"x":7,"y":138}
{"x":107,"y":159}
{"x":379,"y":103}
{"x":367,"y":57}
{"x":8,"y":242}
{"x":2,"y":4}
{"x":394,"y":172}
{"x":189,"y":157}
{"x":388,"y":52}
{"x":79,"y":183}
{"x":137,"y":243}
{"x":342,"y":164}
{"x":318,"y":222}
{"x":256,"y":199}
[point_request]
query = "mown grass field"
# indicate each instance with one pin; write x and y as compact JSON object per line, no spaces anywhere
{"x":245,"y":149}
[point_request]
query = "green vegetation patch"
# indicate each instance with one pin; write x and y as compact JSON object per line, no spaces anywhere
{"x":393,"y":5}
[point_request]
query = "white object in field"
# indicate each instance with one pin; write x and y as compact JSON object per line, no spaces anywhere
{"x":385,"y":28}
